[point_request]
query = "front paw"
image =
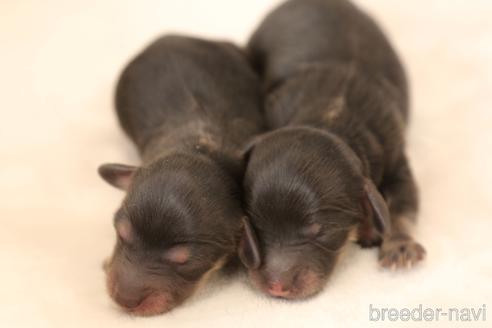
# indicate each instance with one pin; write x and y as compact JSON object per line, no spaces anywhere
{"x":399,"y":252}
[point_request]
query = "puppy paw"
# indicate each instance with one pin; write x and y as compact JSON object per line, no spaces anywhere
{"x":400,"y":252}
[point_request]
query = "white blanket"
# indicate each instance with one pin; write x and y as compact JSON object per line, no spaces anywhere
{"x":58,"y":64}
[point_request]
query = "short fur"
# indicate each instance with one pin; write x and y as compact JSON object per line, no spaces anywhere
{"x":337,"y":101}
{"x":189,"y":105}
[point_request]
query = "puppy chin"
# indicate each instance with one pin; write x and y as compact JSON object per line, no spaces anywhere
{"x":154,"y":304}
{"x":310,"y":284}
{"x":161,"y":302}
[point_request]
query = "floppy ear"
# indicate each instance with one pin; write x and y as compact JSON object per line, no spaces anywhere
{"x":117,"y":175}
{"x":380,"y":213}
{"x":247,"y":149}
{"x":249,"y":252}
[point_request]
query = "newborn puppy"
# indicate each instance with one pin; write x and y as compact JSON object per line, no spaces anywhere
{"x":189,"y":105}
{"x":334,"y":168}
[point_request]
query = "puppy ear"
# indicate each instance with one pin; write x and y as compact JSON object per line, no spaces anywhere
{"x":117,"y":175}
{"x":380,"y":213}
{"x":248,"y":149}
{"x":124,"y":229}
{"x":249,"y":252}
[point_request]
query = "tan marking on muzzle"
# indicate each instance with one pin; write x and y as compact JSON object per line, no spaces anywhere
{"x":206,"y":276}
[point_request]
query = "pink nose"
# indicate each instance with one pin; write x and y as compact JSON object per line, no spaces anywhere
{"x":277,"y":289}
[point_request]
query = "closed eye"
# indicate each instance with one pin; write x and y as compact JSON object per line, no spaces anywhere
{"x":325,"y":248}
{"x":179,"y":254}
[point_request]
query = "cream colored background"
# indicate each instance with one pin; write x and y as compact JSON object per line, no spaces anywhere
{"x":58,"y":64}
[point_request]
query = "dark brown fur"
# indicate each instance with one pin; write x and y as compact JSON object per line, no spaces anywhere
{"x":337,"y":101}
{"x":189,"y":105}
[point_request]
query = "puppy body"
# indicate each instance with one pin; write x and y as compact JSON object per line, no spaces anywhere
{"x":189,"y":105}
{"x":183,"y":92}
{"x":337,"y":100}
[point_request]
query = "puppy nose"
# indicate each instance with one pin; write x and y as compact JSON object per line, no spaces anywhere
{"x":277,"y":289}
{"x":128,"y":302}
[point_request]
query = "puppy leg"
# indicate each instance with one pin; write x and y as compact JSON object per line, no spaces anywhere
{"x":399,"y":249}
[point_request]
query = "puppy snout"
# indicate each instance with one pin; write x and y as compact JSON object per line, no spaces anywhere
{"x":278,"y":289}
{"x":123,"y":292}
{"x":128,"y":301}
{"x":291,"y":285}
{"x":280,"y":284}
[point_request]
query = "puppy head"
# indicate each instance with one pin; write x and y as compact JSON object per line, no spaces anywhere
{"x":306,"y":196}
{"x":177,"y":224}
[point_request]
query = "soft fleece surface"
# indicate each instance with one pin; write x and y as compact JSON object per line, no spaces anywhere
{"x":58,"y":64}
